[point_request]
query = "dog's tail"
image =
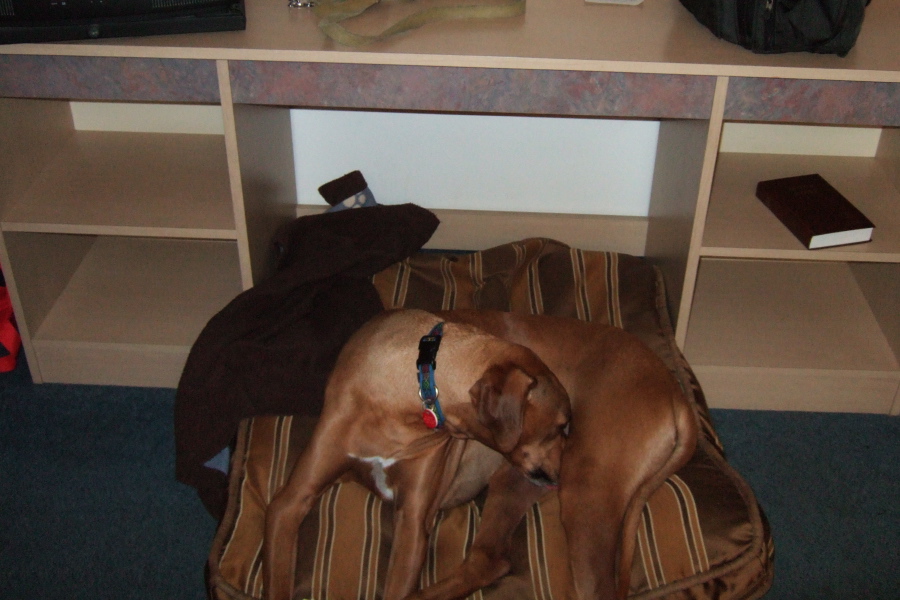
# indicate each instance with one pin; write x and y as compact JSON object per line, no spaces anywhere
{"x":683,"y":444}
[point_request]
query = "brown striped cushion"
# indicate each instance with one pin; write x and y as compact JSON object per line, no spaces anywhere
{"x":702,"y":534}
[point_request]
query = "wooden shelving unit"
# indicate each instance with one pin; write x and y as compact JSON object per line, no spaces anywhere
{"x":122,"y":245}
{"x":774,"y":325}
{"x":118,"y":247}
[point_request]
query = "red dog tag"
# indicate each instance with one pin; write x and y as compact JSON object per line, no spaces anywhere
{"x":430,"y":418}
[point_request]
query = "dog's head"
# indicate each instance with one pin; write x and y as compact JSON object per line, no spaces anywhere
{"x":523,"y":412}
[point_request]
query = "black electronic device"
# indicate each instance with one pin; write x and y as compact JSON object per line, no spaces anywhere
{"x":60,"y":20}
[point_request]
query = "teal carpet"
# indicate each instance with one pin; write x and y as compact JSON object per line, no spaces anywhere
{"x":89,"y":507}
{"x":830,"y":486}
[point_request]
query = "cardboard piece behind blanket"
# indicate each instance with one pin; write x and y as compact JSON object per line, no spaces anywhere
{"x":271,"y":349}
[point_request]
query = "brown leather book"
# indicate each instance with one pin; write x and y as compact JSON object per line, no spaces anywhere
{"x":816,"y":213}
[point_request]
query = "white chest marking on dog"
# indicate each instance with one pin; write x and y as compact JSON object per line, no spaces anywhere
{"x":379,"y":475}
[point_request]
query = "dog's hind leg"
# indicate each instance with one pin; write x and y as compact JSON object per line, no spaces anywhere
{"x":509,"y":497}
{"x":605,"y":482}
{"x":592,"y":537}
{"x":320,"y":464}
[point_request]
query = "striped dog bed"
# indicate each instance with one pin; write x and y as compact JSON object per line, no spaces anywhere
{"x":702,"y":534}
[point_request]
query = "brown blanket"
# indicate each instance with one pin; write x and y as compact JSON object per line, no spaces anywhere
{"x":270,"y":350}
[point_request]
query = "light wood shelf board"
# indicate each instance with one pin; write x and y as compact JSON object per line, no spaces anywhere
{"x":888,"y":154}
{"x":677,"y":179}
{"x":480,"y":230}
{"x":691,"y":251}
{"x":235,"y":184}
{"x":140,"y":180}
{"x":658,"y":36}
{"x":738,"y":224}
{"x":798,"y":389}
{"x":140,"y":291}
{"x":681,"y":177}
{"x":780,"y":314}
{"x":843,"y":253}
{"x":37,"y":269}
{"x":264,"y":145}
{"x":880,"y":284}
{"x":111,"y":364}
{"x":42,"y":267}
{"x":31,"y":131}
{"x":123,"y":230}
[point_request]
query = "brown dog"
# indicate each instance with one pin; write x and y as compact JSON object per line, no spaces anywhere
{"x":631,"y":427}
{"x":499,"y":400}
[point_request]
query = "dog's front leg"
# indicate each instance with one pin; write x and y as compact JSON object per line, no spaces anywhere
{"x":408,"y":551}
{"x":509,"y":497}
{"x":320,"y":464}
{"x":415,"y":507}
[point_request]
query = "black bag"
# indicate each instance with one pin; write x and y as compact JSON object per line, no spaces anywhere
{"x":775,"y":26}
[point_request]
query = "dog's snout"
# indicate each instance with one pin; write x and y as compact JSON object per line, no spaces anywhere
{"x":540,"y":477}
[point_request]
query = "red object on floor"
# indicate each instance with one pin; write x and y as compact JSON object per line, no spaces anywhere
{"x":10,"y":341}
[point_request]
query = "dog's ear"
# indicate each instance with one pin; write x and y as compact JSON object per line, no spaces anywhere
{"x":499,"y":398}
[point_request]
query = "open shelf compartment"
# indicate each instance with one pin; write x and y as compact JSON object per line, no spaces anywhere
{"x":151,"y":184}
{"x":796,"y":335}
{"x":66,"y":180}
{"x":119,"y":310}
{"x":738,"y":224}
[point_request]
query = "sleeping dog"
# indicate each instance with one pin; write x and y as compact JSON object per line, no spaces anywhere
{"x":496,"y":403}
{"x":632,"y":426}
